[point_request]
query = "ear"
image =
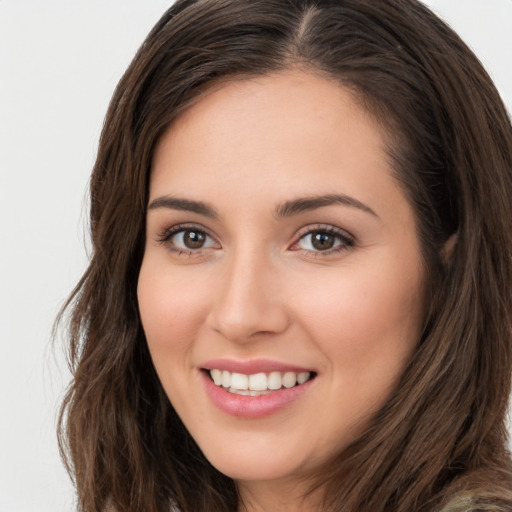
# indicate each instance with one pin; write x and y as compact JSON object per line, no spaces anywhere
{"x":448,"y":248}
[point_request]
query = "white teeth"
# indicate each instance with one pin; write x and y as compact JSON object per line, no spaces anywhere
{"x":239,"y":381}
{"x":216,"y":376}
{"x":258,"y":393}
{"x":274,"y":380}
{"x":289,"y":379}
{"x":239,"y":391}
{"x":248,"y":392}
{"x":257,"y":383}
{"x":302,"y":377}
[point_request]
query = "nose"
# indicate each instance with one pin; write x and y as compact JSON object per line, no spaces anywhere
{"x":249,"y":302}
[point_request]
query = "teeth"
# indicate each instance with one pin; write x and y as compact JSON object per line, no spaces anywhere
{"x":245,"y":392}
{"x":240,"y":381}
{"x":274,"y":380}
{"x":302,"y":377}
{"x":289,"y":379}
{"x":216,"y":376}
{"x":257,"y":383}
{"x":248,"y":392}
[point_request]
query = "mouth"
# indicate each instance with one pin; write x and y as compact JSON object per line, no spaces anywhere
{"x":257,"y":384}
{"x":256,"y":388}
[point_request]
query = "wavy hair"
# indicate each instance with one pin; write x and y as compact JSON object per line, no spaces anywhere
{"x":440,"y":440}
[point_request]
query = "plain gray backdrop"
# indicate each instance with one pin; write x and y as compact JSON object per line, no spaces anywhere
{"x":60,"y":61}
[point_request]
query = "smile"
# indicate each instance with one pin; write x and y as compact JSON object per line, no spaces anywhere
{"x":254,"y":389}
{"x":257,"y":384}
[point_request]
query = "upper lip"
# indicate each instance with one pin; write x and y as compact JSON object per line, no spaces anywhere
{"x":252,"y":366}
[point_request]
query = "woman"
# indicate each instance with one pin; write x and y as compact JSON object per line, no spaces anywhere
{"x":299,"y":296}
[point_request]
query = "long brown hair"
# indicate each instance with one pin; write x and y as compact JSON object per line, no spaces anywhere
{"x":440,"y":439}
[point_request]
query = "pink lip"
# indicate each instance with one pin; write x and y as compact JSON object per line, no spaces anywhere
{"x":251,"y":407}
{"x":252,"y":366}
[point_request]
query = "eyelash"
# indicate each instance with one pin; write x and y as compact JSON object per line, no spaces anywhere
{"x":345,"y":239}
{"x":165,"y":238}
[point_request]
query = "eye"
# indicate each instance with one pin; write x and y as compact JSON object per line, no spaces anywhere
{"x":324,"y":240}
{"x":190,"y":238}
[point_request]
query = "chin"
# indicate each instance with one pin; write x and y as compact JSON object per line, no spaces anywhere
{"x":260,"y":457}
{"x":245,"y":470}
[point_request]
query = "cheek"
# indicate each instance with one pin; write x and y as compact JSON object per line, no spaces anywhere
{"x":171,"y":310}
{"x":367,"y":323}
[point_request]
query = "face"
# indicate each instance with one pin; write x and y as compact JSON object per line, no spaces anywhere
{"x":281,"y":285}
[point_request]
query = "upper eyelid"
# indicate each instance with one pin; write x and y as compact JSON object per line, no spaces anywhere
{"x":324,"y":227}
{"x":347,"y":239}
{"x":166,"y":233}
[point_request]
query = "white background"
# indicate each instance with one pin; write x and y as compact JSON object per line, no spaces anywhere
{"x":59,"y":64}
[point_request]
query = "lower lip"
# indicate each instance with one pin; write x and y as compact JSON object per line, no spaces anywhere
{"x":243,"y":406}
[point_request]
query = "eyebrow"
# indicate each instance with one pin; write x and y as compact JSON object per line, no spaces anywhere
{"x":187,"y":205}
{"x":304,"y":204}
{"x":286,"y":209}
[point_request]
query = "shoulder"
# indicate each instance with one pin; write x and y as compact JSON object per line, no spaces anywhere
{"x":478,"y":504}
{"x":493,"y":497}
{"x":480,"y":491}
{"x":470,"y":505}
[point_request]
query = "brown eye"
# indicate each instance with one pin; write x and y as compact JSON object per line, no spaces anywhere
{"x":325,"y":241}
{"x":322,"y":241}
{"x":188,"y":239}
{"x":193,"y":239}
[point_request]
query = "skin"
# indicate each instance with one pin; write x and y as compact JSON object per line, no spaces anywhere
{"x":258,"y":288}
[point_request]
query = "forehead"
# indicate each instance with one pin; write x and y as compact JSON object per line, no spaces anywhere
{"x":273,"y":137}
